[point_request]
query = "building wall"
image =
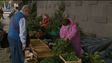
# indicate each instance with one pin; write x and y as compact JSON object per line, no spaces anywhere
{"x":94,"y":17}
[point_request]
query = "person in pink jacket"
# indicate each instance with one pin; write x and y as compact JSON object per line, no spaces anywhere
{"x":69,"y":31}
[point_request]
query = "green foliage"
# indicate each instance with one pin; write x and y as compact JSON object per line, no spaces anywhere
{"x":34,"y":14}
{"x":11,"y":14}
{"x":62,"y":47}
{"x":32,"y":26}
{"x":35,"y":32}
{"x":70,"y":56}
{"x":38,"y":19}
{"x":61,"y":6}
{"x":92,"y":58}
{"x":54,"y":59}
{"x":34,"y":7}
{"x":34,"y":11}
{"x":1,"y":4}
{"x":56,"y":19}
{"x":54,"y":27}
{"x":7,"y":3}
{"x":30,"y":32}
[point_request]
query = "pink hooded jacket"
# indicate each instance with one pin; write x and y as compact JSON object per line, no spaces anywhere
{"x":73,"y":35}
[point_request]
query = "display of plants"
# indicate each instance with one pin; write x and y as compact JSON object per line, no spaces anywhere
{"x":62,"y":47}
{"x":34,"y":12}
{"x":89,"y":58}
{"x":53,"y":59}
{"x":70,"y":56}
{"x":56,"y":19}
{"x":33,"y":26}
{"x":38,"y":20}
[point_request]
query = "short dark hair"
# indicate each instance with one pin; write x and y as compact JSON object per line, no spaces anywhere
{"x":46,"y":15}
{"x":1,"y":11}
{"x":65,"y":22}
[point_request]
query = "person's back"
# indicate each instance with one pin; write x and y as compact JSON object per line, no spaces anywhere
{"x":13,"y":33}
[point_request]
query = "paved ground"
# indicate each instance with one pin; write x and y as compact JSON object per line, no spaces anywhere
{"x":4,"y":56}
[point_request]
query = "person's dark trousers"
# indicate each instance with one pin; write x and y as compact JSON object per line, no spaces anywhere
{"x":17,"y":55}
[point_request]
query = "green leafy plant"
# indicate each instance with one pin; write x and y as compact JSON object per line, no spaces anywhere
{"x":32,"y":26}
{"x":70,"y":56}
{"x":38,"y":20}
{"x":56,"y":19}
{"x":53,"y":59}
{"x":61,"y":6}
{"x":11,"y":14}
{"x":62,"y":47}
{"x":89,"y":58}
{"x":34,"y":12}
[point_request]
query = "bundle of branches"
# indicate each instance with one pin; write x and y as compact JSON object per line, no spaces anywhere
{"x":11,"y":14}
{"x":62,"y":47}
{"x":56,"y":19}
{"x":34,"y":11}
{"x":89,"y":58}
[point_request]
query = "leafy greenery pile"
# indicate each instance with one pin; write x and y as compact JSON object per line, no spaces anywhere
{"x":38,"y":20}
{"x":56,"y":19}
{"x":70,"y":56}
{"x":62,"y":47}
{"x":33,"y":21}
{"x":89,"y":58}
{"x":54,"y":59}
{"x":33,"y":26}
{"x":34,"y":12}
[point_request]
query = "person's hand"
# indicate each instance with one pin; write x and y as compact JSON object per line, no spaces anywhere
{"x":23,"y":48}
{"x":65,"y":39}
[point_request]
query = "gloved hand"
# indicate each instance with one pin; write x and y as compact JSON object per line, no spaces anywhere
{"x":40,"y":22}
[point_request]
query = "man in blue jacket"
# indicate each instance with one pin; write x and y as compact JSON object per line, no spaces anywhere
{"x":18,"y":33}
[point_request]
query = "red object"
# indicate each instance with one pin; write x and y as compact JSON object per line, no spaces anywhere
{"x":39,"y":35}
{"x":45,"y":22}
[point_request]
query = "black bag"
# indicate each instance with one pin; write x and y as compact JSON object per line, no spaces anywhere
{"x":4,"y":42}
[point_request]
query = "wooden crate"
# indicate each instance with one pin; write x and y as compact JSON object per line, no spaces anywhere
{"x":79,"y":61}
{"x":36,"y":47}
{"x":42,"y":55}
{"x":40,"y":50}
{"x":35,"y":54}
{"x":45,"y":55}
{"x":37,"y":44}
